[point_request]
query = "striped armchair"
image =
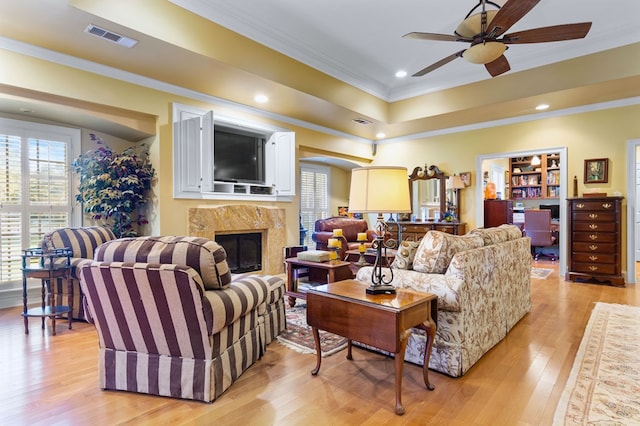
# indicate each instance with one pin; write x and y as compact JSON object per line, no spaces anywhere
{"x":82,"y":242}
{"x":172,"y":320}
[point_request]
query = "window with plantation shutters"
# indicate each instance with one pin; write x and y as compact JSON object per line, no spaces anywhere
{"x":314,"y":197}
{"x":35,"y":189}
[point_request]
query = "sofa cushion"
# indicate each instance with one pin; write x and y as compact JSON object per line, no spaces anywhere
{"x":499,"y":234}
{"x":405,"y":255}
{"x":207,"y":257}
{"x":438,"y":248}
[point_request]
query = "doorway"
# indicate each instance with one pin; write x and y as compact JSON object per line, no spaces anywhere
{"x":483,"y":160}
{"x":633,"y":211}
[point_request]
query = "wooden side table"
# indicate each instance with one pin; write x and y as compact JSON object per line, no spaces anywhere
{"x":382,"y":321}
{"x":317,"y":272}
{"x":47,"y":266}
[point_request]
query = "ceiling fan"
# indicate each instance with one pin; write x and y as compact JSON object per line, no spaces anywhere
{"x":485,"y":29}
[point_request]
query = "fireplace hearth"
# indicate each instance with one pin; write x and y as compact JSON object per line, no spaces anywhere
{"x":244,"y":251}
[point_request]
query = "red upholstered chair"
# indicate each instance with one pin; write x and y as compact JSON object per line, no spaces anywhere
{"x":350,"y":229}
{"x":537,"y":226}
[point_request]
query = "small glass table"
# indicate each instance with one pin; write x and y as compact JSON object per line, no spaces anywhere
{"x":47,"y":266}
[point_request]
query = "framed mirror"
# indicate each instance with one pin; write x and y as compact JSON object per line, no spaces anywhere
{"x":427,"y":191}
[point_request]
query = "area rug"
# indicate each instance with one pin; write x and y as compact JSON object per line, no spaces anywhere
{"x":299,"y":337}
{"x":540,"y":273}
{"x":604,"y":384}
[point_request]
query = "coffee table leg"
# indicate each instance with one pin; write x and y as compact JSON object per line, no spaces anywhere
{"x":399,"y":360}
{"x":316,"y":339}
{"x":349,"y":357}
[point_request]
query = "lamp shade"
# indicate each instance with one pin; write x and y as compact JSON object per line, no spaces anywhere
{"x":381,"y":189}
{"x":483,"y":53}
{"x":455,"y":182}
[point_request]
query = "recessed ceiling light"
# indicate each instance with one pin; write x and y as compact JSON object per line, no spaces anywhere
{"x":261,"y":99}
{"x":380,"y":135}
{"x":401,"y":74}
{"x":542,"y":107}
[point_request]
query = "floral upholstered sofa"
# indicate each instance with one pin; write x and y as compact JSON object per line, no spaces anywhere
{"x":172,"y":320}
{"x":482,"y":280}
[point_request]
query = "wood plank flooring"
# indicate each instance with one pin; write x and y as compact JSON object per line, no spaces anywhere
{"x":53,"y":379}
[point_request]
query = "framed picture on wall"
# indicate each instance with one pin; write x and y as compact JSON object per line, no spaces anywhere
{"x":466,"y":178}
{"x":343,"y":211}
{"x":596,"y":170}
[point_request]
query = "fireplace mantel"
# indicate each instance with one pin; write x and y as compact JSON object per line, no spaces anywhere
{"x":208,"y":221}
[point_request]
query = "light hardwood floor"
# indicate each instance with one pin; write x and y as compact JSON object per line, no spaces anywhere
{"x":53,"y":379}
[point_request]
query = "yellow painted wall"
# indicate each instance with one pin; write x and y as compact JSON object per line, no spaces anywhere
{"x":597,"y":134}
{"x":586,"y":135}
{"x":168,"y":216}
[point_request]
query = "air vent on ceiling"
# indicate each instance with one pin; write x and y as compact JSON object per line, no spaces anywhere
{"x":362,"y":121}
{"x":110,"y":36}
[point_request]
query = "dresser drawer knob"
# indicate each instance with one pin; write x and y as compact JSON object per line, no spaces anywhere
{"x":593,"y":215}
{"x":593,"y":268}
{"x":580,"y":206}
{"x":593,"y":247}
{"x":593,"y":237}
{"x":593,"y":258}
{"x":593,"y":226}
{"x":607,"y":205}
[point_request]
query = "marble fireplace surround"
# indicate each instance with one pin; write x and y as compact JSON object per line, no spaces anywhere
{"x":235,"y":219}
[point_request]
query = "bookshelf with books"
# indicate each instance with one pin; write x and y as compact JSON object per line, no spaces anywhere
{"x":531,"y":179}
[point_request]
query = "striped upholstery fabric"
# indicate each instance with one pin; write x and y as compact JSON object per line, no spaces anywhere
{"x":205,"y":256}
{"x":274,"y":316}
{"x":162,"y":332}
{"x":83,"y":242}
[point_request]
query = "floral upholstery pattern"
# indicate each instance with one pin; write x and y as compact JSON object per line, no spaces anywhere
{"x":405,"y":255}
{"x":482,"y":294}
{"x":497,"y":235}
{"x":438,"y":248}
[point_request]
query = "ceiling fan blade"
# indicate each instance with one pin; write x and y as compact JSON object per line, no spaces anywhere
{"x":552,"y":33}
{"x":438,"y":37}
{"x":509,"y":14}
{"x":499,"y":66}
{"x":438,"y":64}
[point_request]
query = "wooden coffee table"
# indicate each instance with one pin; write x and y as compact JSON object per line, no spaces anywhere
{"x":382,"y":321}
{"x":318,"y":273}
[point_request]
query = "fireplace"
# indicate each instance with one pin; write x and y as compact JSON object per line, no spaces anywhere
{"x":244,"y":251}
{"x":214,"y":222}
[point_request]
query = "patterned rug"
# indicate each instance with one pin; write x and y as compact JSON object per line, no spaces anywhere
{"x":540,"y":273}
{"x":604,"y":384}
{"x":299,"y":337}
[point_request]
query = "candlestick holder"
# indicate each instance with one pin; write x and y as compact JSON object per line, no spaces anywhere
{"x":362,"y":249}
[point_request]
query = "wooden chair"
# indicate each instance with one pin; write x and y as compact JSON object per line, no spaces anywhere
{"x":537,"y":226}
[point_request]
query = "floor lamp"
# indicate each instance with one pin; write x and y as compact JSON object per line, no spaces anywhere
{"x":382,"y":189}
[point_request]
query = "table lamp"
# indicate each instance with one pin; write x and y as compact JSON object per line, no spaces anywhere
{"x":456,"y":184}
{"x":380,"y":189}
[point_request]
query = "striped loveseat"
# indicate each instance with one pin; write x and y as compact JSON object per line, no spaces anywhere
{"x":82,"y":242}
{"x":172,"y":320}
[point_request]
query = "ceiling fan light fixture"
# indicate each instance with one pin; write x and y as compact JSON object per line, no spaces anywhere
{"x":473,"y":24}
{"x":483,"y":53}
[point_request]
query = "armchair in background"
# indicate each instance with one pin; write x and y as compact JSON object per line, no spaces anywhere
{"x":537,"y":226}
{"x":350,"y":229}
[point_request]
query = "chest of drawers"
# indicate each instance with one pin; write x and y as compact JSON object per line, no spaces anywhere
{"x":595,"y":239}
{"x":414,"y":231}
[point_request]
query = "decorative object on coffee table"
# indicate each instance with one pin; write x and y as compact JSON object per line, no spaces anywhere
{"x":362,"y":238}
{"x":380,"y":190}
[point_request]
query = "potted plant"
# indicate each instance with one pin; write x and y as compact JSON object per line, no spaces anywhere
{"x":114,"y":186}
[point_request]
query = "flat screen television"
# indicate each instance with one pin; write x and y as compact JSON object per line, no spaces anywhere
{"x":238,"y":156}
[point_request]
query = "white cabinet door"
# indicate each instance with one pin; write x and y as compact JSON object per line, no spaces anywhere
{"x":285,"y":163}
{"x":206,"y":149}
{"x":186,"y":156}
